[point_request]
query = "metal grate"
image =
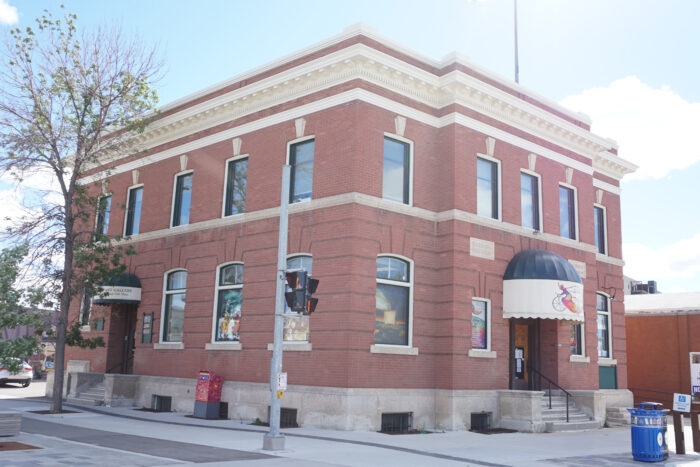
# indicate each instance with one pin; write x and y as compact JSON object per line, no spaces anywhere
{"x":223,"y":410}
{"x":161,"y":403}
{"x":397,"y":422}
{"x":288,"y":418}
{"x":481,"y":421}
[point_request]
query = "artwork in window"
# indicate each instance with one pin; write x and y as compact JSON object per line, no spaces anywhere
{"x":479,"y":323}
{"x":229,"y":315}
{"x":576,"y":344}
{"x":391,"y":315}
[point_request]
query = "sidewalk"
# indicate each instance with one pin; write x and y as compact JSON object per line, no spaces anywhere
{"x":124,"y":436}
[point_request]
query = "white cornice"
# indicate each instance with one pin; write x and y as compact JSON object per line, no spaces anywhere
{"x":335,"y":100}
{"x":377,"y":203}
{"x":362,"y":62}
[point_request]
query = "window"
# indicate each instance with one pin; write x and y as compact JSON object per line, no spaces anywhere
{"x":487,"y":188}
{"x":530,"y":201}
{"x":236,"y":182}
{"x":174,"y":306}
{"x":599,"y":225}
{"x":301,"y":159}
{"x":604,"y":350}
{"x":104,"y":204}
{"x":396,"y":171}
{"x":567,"y":213}
{"x":296,"y":328}
{"x":183,"y":197}
{"x":393,"y":302}
{"x":85,"y":308}
{"x":577,"y":339}
{"x":229,"y":296}
{"x":481,"y":324}
{"x":133,"y":211}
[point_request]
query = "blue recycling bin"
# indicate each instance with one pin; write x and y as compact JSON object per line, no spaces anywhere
{"x":649,"y":432}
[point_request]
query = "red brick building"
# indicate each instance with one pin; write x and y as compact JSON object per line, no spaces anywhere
{"x":415,"y":183}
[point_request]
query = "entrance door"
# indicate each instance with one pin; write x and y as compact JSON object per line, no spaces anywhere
{"x":129,"y":340}
{"x":524,"y":352}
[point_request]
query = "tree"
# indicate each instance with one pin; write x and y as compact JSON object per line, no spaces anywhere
{"x":17,"y":308}
{"x":68,"y":102}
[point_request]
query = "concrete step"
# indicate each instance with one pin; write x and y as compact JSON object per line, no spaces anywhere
{"x":618,"y":416}
{"x":551,"y":427}
{"x":93,"y":392}
{"x":578,"y":417}
{"x":84,"y":401}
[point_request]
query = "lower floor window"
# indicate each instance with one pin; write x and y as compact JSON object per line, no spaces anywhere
{"x":480,"y":323}
{"x":391,"y":318}
{"x":576,"y":339}
{"x":174,"y":317}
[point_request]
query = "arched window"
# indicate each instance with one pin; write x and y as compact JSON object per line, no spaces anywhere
{"x":297,"y":328}
{"x":229,"y":297}
{"x":393,"y":302}
{"x":174,"y":306}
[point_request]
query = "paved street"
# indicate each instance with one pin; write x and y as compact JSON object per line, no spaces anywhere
{"x":124,"y":436}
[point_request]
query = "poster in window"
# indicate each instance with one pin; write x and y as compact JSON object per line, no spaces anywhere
{"x":391,"y":315}
{"x":146,"y":328}
{"x":229,"y":315}
{"x":478,"y":324}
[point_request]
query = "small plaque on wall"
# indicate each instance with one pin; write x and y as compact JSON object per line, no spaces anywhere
{"x":481,"y":248}
{"x":147,"y":328}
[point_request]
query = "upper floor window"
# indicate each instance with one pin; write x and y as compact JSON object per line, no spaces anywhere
{"x":133,"y":211}
{"x":393,"y":302}
{"x":174,"y":306}
{"x":396,"y":178}
{"x":567,"y":212}
{"x":236,"y":182}
{"x":104,"y":204}
{"x":487,"y":188}
{"x":183,"y":198}
{"x":530,"y":201}
{"x":600,"y":228}
{"x":296,"y":328}
{"x":481,"y":324}
{"x":301,"y":160}
{"x":229,"y":297}
{"x":604,"y":335}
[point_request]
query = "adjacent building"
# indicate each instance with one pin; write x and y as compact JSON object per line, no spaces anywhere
{"x":465,"y":231}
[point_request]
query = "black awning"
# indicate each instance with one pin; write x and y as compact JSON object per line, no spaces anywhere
{"x":540,"y":264}
{"x":125,"y":289}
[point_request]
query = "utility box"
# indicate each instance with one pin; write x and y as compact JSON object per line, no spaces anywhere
{"x":208,"y":395}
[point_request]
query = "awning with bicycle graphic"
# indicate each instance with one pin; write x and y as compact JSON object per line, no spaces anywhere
{"x":542,"y":284}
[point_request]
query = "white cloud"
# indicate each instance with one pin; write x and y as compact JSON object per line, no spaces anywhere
{"x":8,"y":14}
{"x":655,"y":128}
{"x":680,"y":260}
{"x":12,"y":207}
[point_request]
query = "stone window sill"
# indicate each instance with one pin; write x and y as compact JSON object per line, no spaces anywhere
{"x":607,"y":362}
{"x":300,"y":346}
{"x":479,"y":353}
{"x":85,"y":328}
{"x":223,"y":346}
{"x":169,"y":346}
{"x":579,"y":359}
{"x":393,"y":349}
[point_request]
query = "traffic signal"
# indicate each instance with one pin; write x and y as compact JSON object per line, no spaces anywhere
{"x":299,"y":299}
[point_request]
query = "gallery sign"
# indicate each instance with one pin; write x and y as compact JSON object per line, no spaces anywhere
{"x":118,"y":294}
{"x":543,"y":298}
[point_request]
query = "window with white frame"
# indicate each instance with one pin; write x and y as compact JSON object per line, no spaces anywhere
{"x":104,"y":205}
{"x":567,"y":212}
{"x":301,"y":160}
{"x":393,"y":302}
{"x":229,"y":298}
{"x":481,"y":324}
{"x":296,"y":328}
{"x":487,"y":196}
{"x":396,"y":171}
{"x":182,"y":199}
{"x":236,"y":183}
{"x":600,"y":229}
{"x":174,"y":306}
{"x":604,"y":334}
{"x":133,"y":210}
{"x":530,"y":201}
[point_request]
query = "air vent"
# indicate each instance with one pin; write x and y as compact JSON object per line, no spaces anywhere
{"x":397,"y":422}
{"x":161,"y":403}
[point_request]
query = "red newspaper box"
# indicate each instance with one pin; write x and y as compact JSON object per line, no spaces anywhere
{"x":208,"y":387}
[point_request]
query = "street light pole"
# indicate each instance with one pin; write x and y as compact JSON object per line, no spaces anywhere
{"x":274,"y":440}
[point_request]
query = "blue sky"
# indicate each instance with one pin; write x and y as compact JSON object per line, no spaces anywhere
{"x":632,"y":65}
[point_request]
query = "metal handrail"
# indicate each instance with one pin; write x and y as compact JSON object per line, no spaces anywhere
{"x":119,"y":364}
{"x":532,"y":369}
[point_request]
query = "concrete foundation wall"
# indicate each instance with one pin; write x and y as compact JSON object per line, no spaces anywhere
{"x":521,"y":410}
